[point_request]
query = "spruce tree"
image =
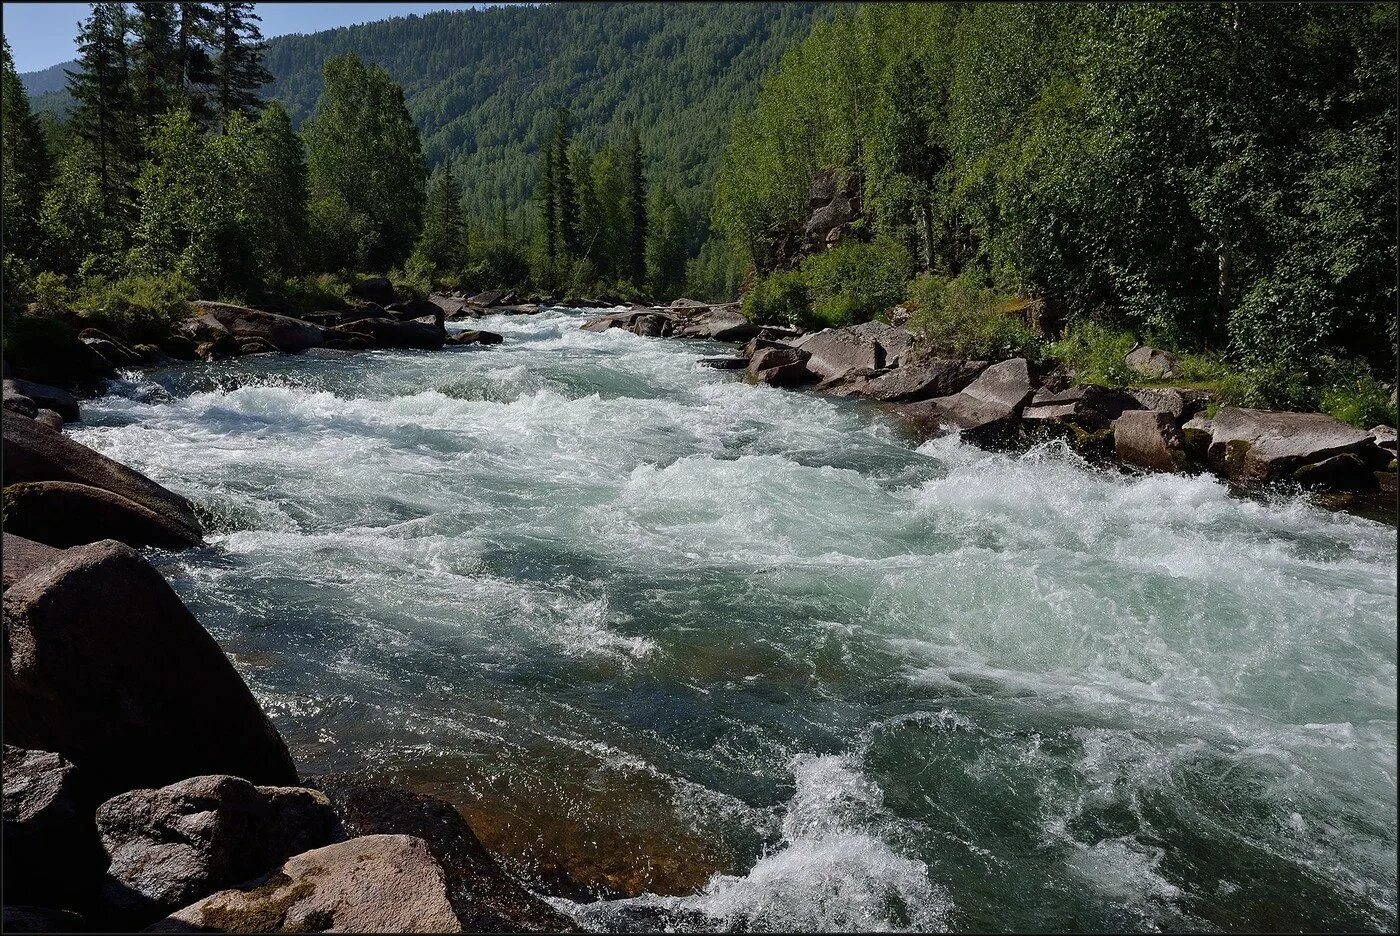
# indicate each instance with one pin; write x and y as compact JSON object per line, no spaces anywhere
{"x":444,"y":240}
{"x":104,"y":115}
{"x":637,"y":211}
{"x":28,"y":167}
{"x":194,"y":68}
{"x":564,"y":184}
{"x":238,"y":70}
{"x":155,"y":72}
{"x":549,"y":205}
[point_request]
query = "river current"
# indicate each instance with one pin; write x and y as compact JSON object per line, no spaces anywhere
{"x":709,"y":656}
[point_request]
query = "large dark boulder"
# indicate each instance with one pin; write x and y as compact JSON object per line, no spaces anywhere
{"x":23,"y":919}
{"x":45,"y":397}
{"x":375,"y":289}
{"x":63,"y":514}
{"x":51,"y":853}
{"x":929,"y":378}
{"x":1091,"y":408}
{"x":23,"y":556}
{"x":371,"y":884}
{"x":986,"y":409}
{"x":37,"y":453}
{"x":392,"y":333}
{"x":281,"y":332}
{"x":779,"y":367}
{"x":113,"y":350}
{"x":1264,"y":445}
{"x":19,"y":404}
{"x":410,"y":309}
{"x":484,"y":897}
{"x":169,"y":847}
{"x":1150,"y":439}
{"x":104,"y":665}
{"x":476,"y":336}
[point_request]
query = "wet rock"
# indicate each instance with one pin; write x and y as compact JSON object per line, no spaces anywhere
{"x":724,"y":363}
{"x":47,"y":417}
{"x":836,"y":352}
{"x":470,"y":336}
{"x":1090,"y":408}
{"x":602,"y":323}
{"x":375,"y":289}
{"x":1265,"y":445}
{"x":1153,"y":362}
{"x":63,"y":514}
{"x":930,"y":378}
{"x":179,"y":347}
{"x":1182,"y":404}
{"x":152,"y":356}
{"x":1344,"y":472}
{"x":371,"y":884}
{"x":1150,"y":439}
{"x":255,"y":346}
{"x":1384,"y":437}
{"x":50,"y":843}
{"x":23,"y":556}
{"x":19,"y":404}
{"x":280,"y":332}
{"x":100,"y":660}
{"x":36,"y":453}
{"x":484,"y":898}
{"x":650,"y":325}
{"x":45,"y":397}
{"x":115,"y":352}
{"x":717,"y":323}
{"x":517,"y":308}
{"x":410,"y":309}
{"x":168,"y":847}
{"x":22,"y":919}
{"x":392,"y":333}
{"x":985,"y":409}
{"x":1196,"y":432}
{"x":779,"y":367}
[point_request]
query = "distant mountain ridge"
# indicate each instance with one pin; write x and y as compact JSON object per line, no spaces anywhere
{"x":483,"y":84}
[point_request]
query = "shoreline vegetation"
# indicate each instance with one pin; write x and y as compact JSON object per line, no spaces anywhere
{"x":1161,"y":234}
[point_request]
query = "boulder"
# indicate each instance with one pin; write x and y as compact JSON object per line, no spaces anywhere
{"x":476,"y":336}
{"x":152,"y":356}
{"x":1150,"y":439}
{"x":22,"y":919}
{"x":689,"y":304}
{"x":105,"y":666}
{"x":650,"y":325}
{"x":1265,"y":445}
{"x":717,"y":323}
{"x":112,"y":351}
{"x":47,"y":417}
{"x":836,"y":352}
{"x":450,"y":305}
{"x":1182,"y":404}
{"x":375,"y":289}
{"x":1153,"y":362}
{"x":36,"y":453}
{"x":1384,"y":437}
{"x":896,"y":343}
{"x":1196,"y":432}
{"x":179,"y":347}
{"x":392,"y":333}
{"x":487,"y":299}
{"x":411,"y":309}
{"x":51,"y":853}
{"x":779,"y":367}
{"x":255,"y":346}
{"x":1091,"y":408}
{"x":484,"y":898}
{"x":19,"y":404}
{"x":371,"y":884}
{"x":1344,"y":472}
{"x":724,"y":363}
{"x":929,"y":378}
{"x":986,"y":408}
{"x":45,"y":397}
{"x":169,"y":847}
{"x":281,"y":332}
{"x":23,"y":556}
{"x":63,"y":514}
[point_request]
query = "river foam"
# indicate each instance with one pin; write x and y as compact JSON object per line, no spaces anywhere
{"x":764,"y":664}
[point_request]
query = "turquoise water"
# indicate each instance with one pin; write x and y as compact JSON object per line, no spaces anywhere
{"x":742,"y":658}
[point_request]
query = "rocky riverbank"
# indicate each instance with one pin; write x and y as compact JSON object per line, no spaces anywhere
{"x":1156,"y":427}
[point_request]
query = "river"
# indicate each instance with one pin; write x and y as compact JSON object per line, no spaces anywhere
{"x":746,"y":658}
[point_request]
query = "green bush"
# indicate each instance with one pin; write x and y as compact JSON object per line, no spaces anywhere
{"x":138,"y":307}
{"x":301,"y":295}
{"x":854,"y":282}
{"x":1095,"y":354}
{"x":779,"y":299}
{"x":1362,"y":401}
{"x":51,"y":293}
{"x":964,"y":319}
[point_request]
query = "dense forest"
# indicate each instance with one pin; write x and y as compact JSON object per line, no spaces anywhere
{"x":1214,"y":177}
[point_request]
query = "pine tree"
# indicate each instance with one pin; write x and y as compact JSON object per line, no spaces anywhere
{"x":28,"y":167}
{"x":444,"y":240}
{"x":637,"y":211}
{"x":194,"y":68}
{"x":155,"y":72}
{"x":564,"y":184}
{"x":238,"y":70}
{"x":104,"y":115}
{"x":665,"y":245}
{"x":549,"y":205}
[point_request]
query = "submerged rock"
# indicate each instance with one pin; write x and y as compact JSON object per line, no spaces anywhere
{"x":371,"y":884}
{"x":168,"y":847}
{"x":105,"y":666}
{"x":63,"y":514}
{"x":37,"y":453}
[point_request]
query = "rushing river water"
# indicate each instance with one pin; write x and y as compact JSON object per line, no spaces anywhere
{"x":756,"y":660}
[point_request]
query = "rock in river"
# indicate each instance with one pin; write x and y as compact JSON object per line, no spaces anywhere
{"x":285,"y":334}
{"x":1150,"y":439}
{"x":986,"y":408}
{"x":63,"y":514}
{"x":1263,"y":445}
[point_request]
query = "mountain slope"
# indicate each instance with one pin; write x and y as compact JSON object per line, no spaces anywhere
{"x":483,"y":84}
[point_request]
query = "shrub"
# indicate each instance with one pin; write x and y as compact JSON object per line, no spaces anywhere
{"x":300,"y":295}
{"x":964,"y":319}
{"x":138,"y":307}
{"x":51,"y":293}
{"x":1362,"y":401}
{"x":779,"y":299}
{"x":854,"y":282}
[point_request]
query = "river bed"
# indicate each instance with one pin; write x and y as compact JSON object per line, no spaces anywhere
{"x":740,"y":658}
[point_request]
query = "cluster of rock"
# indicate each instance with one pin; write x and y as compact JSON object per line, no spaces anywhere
{"x":1156,"y":428}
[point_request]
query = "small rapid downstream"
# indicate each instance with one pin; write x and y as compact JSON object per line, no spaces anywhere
{"x":751,"y":656}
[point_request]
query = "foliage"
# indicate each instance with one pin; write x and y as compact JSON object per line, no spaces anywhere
{"x":27,"y":166}
{"x":1095,"y":354}
{"x":779,"y":299}
{"x":854,"y":282}
{"x":139,"y":307}
{"x":1364,"y":402}
{"x":964,"y":318}
{"x":321,"y":292}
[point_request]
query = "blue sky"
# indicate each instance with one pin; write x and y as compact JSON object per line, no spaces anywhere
{"x":42,"y":34}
